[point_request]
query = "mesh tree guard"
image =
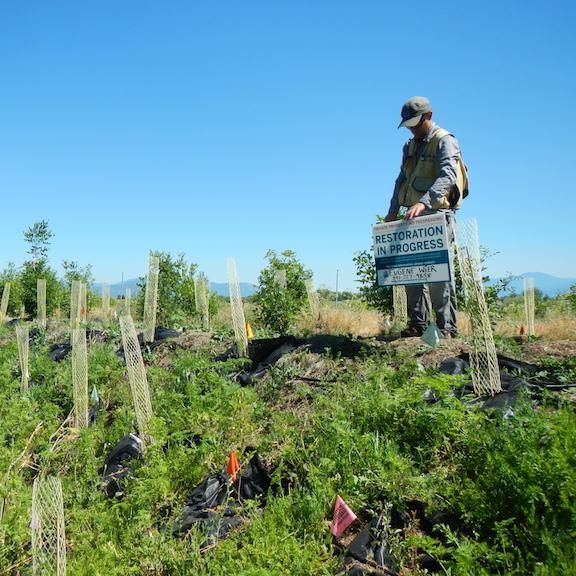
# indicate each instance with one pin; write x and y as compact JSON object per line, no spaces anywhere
{"x":313,"y":300}
{"x":238,"y":319}
{"x":48,"y":534}
{"x":529,"y":305}
{"x":76,"y":304}
{"x":105,"y":301}
{"x":483,"y":360}
{"x":201,"y":296}
{"x":80,"y":377}
{"x":83,"y":303}
{"x":41,"y":301}
{"x":280,"y":278}
{"x":127,"y":301}
{"x":151,"y":298}
{"x":23,"y":338}
{"x":400,"y":303}
{"x":5,"y":300}
{"x":136,"y":375}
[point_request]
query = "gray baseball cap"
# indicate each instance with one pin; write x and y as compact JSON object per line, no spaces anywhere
{"x":412,"y":111}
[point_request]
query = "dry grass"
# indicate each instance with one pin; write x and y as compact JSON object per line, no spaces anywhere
{"x":551,"y":328}
{"x":557,"y":328}
{"x":343,"y":318}
{"x":350,"y":318}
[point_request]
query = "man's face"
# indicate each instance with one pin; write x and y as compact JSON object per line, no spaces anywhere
{"x":421,"y":129}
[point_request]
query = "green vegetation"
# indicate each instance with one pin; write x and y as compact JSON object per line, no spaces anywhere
{"x":281,"y":293}
{"x":24,"y":279}
{"x":351,"y":420}
{"x":359,"y":428}
{"x":176,"y":292}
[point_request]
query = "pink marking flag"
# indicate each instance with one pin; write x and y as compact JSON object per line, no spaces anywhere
{"x":343,"y":517}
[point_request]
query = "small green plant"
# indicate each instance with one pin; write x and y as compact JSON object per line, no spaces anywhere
{"x":74,"y":272}
{"x":378,"y":297}
{"x":281,"y":291}
{"x":571,"y":297}
{"x":176,"y":301}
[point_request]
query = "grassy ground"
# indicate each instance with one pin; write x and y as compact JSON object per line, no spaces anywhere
{"x":349,"y":318}
{"x":345,"y":416}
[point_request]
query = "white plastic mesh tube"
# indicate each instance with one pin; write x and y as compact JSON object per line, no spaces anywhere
{"x":41,"y":301}
{"x":151,"y":298}
{"x":201,"y":295}
{"x":76,"y":304}
{"x":238,"y":319}
{"x":136,"y":374}
{"x":127,"y":302}
{"x":47,"y":525}
{"x":23,"y":338}
{"x":105,"y":301}
{"x":400,"y":304}
{"x":313,"y":300}
{"x":5,"y":300}
{"x":483,"y":359}
{"x":529,"y":294}
{"x":280,"y":278}
{"x":80,"y":377}
{"x":83,"y":303}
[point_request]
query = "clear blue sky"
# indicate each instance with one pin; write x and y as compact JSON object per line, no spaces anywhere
{"x":226,"y":128}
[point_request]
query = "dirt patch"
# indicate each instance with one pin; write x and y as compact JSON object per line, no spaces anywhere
{"x":533,"y":351}
{"x":193,"y":340}
{"x":528,"y":351}
{"x":199,"y":340}
{"x":428,"y":356}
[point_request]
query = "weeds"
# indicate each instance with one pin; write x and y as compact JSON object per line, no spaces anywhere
{"x":325,"y":424}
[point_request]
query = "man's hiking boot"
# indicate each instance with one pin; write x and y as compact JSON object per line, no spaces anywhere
{"x":411,"y":332}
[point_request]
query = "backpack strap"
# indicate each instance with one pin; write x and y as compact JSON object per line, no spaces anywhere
{"x":460,"y":190}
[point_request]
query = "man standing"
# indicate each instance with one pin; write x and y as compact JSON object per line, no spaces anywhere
{"x":430,"y":182}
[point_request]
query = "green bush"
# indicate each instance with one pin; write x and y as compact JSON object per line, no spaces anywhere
{"x":281,"y":292}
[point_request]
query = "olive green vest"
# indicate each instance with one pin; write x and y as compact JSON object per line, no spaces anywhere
{"x":422,"y":172}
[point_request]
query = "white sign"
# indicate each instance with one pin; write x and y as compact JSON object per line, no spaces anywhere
{"x":412,"y":251}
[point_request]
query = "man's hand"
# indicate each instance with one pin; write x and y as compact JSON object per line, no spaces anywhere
{"x":415,"y":211}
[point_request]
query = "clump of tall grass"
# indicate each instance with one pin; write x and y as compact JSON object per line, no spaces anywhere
{"x":346,"y":317}
{"x":550,"y":328}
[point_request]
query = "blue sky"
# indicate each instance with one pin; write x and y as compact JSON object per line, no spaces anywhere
{"x":227,"y":128}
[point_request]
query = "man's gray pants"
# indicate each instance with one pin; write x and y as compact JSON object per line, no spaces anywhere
{"x":438,"y":296}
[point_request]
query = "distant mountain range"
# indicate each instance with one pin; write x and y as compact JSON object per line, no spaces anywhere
{"x":550,"y":286}
{"x":119,"y":289}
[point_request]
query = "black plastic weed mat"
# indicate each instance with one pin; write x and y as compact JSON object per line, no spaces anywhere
{"x":60,"y":350}
{"x":116,"y":465}
{"x":512,"y":385}
{"x":265,"y":352}
{"x":160,"y":336}
{"x":370,"y":553}
{"x":214,"y":506}
{"x":262,"y":354}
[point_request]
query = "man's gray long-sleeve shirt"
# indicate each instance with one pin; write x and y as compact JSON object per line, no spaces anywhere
{"x":447,"y":161}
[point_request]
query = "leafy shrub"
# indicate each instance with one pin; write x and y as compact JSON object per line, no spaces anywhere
{"x":281,"y":292}
{"x":516,"y":485}
{"x":176,"y":300}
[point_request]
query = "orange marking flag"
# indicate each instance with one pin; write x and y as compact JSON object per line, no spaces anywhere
{"x":232,"y":467}
{"x":343,"y":517}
